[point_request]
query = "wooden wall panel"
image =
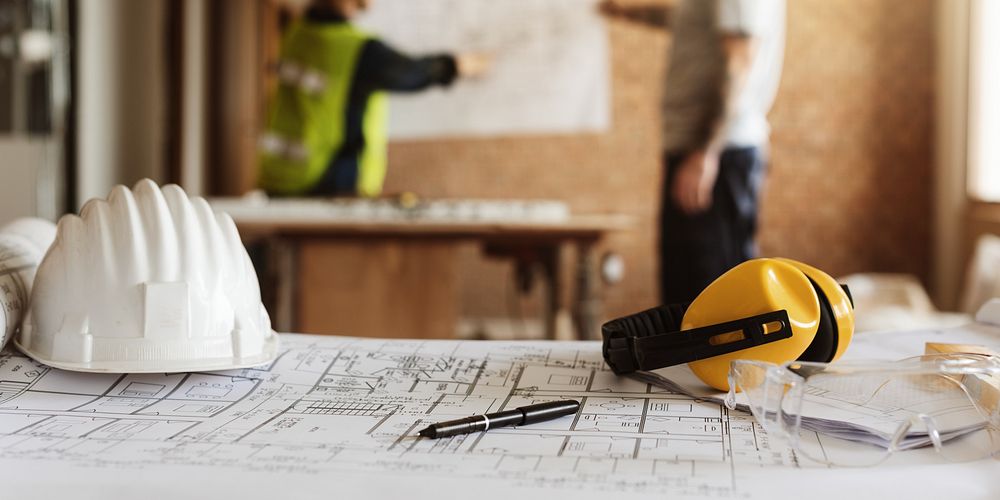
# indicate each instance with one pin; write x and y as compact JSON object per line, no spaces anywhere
{"x":850,"y":184}
{"x":236,"y":92}
{"x":367,"y":288}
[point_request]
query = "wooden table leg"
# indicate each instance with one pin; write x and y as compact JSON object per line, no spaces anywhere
{"x":557,"y":314}
{"x":550,"y":261}
{"x":587,"y":307}
{"x":283,"y":271}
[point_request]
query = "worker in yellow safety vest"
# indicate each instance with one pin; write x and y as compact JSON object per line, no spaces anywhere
{"x":327,"y":128}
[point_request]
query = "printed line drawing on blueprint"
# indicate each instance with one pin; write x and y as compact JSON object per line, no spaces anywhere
{"x":346,"y":404}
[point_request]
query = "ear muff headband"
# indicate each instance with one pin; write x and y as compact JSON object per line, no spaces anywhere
{"x":765,"y":309}
{"x":632,"y":343}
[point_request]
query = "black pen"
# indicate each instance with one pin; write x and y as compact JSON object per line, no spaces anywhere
{"x":518,"y":416}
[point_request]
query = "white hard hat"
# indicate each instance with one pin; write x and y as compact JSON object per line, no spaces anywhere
{"x":147,"y":281}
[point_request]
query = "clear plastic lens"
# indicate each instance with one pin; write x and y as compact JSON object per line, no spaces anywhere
{"x":766,"y":390}
{"x":973,"y":446}
{"x":749,"y":378}
{"x":825,"y":410}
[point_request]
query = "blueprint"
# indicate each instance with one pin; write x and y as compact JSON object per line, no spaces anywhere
{"x":368,"y":210}
{"x":16,"y":272}
{"x":345,"y":411}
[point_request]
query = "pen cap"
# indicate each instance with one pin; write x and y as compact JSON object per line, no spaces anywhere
{"x":549,"y":411}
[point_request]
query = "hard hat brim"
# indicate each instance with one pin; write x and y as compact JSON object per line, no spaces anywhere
{"x":268,"y":354}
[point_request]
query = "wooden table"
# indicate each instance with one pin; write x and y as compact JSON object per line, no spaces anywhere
{"x":526,"y":243}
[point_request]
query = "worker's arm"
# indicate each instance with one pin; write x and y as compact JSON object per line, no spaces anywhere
{"x":380,"y":67}
{"x":695,"y":178}
{"x":652,"y":15}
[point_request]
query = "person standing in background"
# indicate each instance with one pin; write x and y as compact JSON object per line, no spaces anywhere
{"x":327,"y":131}
{"x":722,"y":77}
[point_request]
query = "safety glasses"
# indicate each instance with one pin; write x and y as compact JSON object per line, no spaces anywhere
{"x":945,"y":401}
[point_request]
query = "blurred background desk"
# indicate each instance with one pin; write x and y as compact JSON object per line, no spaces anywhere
{"x":365,"y":267}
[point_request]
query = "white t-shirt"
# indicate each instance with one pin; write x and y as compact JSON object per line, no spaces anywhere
{"x":691,"y":101}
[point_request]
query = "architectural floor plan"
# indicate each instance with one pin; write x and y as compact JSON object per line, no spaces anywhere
{"x":335,"y":405}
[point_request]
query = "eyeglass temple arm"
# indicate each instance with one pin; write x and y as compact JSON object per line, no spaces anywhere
{"x":652,"y":339}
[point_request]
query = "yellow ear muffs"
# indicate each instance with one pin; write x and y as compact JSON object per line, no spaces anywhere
{"x":774,"y":310}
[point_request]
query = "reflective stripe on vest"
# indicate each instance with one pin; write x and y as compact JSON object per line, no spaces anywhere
{"x":307,"y":120}
{"x":307,"y":80}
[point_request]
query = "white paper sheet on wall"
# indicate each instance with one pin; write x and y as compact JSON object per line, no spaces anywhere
{"x":549,"y":72}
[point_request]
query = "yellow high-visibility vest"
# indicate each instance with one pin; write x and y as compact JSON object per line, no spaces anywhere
{"x":308,"y":115}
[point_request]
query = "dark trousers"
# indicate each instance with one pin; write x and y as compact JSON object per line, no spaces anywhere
{"x":340,"y":177}
{"x":696,"y":249}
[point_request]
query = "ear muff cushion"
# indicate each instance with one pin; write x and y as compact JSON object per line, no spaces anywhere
{"x":824,"y":344}
{"x":755,"y":287}
{"x":841,"y":309}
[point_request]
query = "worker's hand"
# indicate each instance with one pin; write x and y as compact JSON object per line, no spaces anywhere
{"x":473,"y":65}
{"x":694,"y":181}
{"x":609,"y":8}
